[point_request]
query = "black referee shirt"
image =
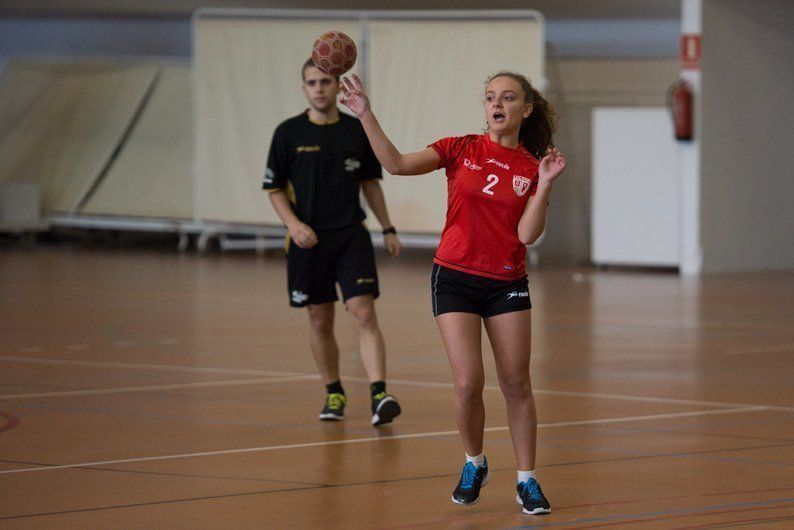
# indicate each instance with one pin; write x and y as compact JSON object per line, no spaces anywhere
{"x":323,"y":164}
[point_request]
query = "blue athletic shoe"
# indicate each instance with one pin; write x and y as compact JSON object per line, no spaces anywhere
{"x":530,"y":496}
{"x":471,"y":480}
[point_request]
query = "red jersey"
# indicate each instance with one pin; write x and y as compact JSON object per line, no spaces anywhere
{"x":488,"y":186}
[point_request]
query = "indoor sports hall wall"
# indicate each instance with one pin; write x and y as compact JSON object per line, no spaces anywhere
{"x":747,"y":189}
{"x":425,"y":77}
{"x":576,"y":87}
{"x":152,"y":175}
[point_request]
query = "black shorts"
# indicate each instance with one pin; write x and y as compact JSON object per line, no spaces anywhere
{"x":458,"y":292}
{"x":342,"y":256}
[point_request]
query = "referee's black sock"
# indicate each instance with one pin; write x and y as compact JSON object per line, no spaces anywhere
{"x":335,"y":388}
{"x":377,"y":387}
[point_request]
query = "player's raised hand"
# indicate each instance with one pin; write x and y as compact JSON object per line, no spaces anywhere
{"x":551,"y":165}
{"x":354,"y":96}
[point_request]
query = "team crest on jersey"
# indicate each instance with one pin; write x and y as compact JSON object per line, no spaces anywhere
{"x":521,"y":185}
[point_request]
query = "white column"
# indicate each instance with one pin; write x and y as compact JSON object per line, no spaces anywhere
{"x":691,"y":253}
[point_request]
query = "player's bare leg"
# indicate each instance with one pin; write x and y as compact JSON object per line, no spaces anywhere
{"x":462,"y":335}
{"x":510,"y":338}
{"x":509,"y":335}
{"x":373,"y":348}
{"x":326,"y":355}
{"x":373,"y":355}
{"x":323,"y":342}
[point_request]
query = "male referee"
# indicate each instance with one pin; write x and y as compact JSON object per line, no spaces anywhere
{"x":318,"y":163}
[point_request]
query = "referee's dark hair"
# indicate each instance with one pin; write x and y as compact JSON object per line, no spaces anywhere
{"x":310,"y":64}
{"x":537,"y":129}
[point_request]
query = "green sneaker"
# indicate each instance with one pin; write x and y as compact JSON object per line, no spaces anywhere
{"x":334,"y":409}
{"x":384,"y":408}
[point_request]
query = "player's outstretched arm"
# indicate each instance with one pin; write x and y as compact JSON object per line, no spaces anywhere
{"x":393,"y":161}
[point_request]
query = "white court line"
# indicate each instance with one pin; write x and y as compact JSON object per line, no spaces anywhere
{"x":131,"y":366}
{"x":426,"y":384}
{"x":620,"y":397}
{"x":175,"y":386}
{"x":642,"y":398}
{"x":375,"y":439}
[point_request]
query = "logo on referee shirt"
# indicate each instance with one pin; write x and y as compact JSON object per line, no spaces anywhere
{"x":518,"y":294}
{"x":307,"y":148}
{"x":351,"y":164}
{"x":269,"y":176}
{"x":521,"y":185}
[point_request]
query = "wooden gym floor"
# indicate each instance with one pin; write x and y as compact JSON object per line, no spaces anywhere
{"x":148,"y":389}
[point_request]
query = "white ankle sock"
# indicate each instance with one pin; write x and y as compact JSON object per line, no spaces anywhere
{"x":523,"y":476}
{"x":478,"y":460}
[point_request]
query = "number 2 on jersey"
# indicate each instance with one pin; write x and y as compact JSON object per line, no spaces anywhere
{"x":493,"y":180}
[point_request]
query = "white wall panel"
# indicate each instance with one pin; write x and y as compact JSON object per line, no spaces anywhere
{"x":635,"y":188}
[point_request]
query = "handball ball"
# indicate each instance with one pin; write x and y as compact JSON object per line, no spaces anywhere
{"x":334,"y":53}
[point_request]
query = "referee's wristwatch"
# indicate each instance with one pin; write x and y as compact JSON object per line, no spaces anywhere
{"x":390,"y":230}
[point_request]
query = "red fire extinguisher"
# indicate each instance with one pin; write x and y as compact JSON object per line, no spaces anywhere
{"x":679,"y":100}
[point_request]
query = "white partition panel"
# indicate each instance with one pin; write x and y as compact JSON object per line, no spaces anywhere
{"x":427,"y":80}
{"x":424,"y":70}
{"x":152,"y":176}
{"x":636,"y":174}
{"x":61,"y":122}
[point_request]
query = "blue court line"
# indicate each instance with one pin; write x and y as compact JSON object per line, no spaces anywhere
{"x":705,"y":456}
{"x":657,"y":514}
{"x":746,"y":461}
{"x":751,"y":522}
{"x":617,"y":431}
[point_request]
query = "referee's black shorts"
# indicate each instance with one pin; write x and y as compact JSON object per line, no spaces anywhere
{"x":343,"y":256}
{"x":454,"y":291}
